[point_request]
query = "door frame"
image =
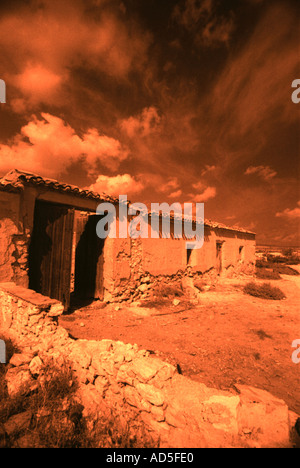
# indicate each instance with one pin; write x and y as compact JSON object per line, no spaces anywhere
{"x":55,"y":221}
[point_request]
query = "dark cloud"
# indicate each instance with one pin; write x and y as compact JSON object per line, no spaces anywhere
{"x":175,"y":100}
{"x":202,"y":19}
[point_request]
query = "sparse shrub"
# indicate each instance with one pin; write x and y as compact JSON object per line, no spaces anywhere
{"x":286,"y":270}
{"x":57,"y":420}
{"x":260,"y":263}
{"x":264,"y":273}
{"x":161,"y":295}
{"x":57,"y":430}
{"x":294,"y":260}
{"x":280,"y":268}
{"x":264,"y":291}
{"x":288,"y":252}
{"x":262,"y":334}
{"x":276,"y":259}
{"x":167,"y":291}
{"x":156,"y":303}
{"x":170,"y":291}
{"x":55,"y":383}
{"x":115,"y":432}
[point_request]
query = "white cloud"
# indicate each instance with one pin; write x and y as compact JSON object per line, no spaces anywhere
{"x":207,"y":194}
{"x":291,"y":214}
{"x":265,"y":172}
{"x":208,"y":169}
{"x":176,"y":194}
{"x":49,"y":145}
{"x":122,"y":184}
{"x":143,"y":125}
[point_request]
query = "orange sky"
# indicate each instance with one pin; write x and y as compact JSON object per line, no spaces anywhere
{"x":166,"y":101}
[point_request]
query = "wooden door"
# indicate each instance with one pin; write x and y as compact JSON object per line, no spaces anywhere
{"x":89,"y":259}
{"x":50,"y":253}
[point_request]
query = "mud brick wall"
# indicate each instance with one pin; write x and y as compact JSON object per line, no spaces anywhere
{"x":14,"y":240}
{"x":115,"y":375}
{"x":135,"y":267}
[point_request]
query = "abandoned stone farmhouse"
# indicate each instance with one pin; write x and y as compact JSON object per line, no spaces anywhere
{"x":48,"y":243}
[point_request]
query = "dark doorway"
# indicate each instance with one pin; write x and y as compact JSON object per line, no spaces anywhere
{"x":50,"y":252}
{"x":241,"y":253}
{"x":89,"y":259}
{"x":188,"y":256}
{"x":219,"y":264}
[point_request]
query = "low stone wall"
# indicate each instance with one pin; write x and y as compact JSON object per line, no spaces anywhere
{"x":179,"y":411}
{"x":145,"y":286}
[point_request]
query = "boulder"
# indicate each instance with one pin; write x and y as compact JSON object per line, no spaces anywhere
{"x":151,"y":394}
{"x":187,"y":284}
{"x":143,"y":287}
{"x":18,"y":424}
{"x":221,"y":412}
{"x":146,"y":369}
{"x":263,"y":418}
{"x":20,"y":359}
{"x":56,"y":309}
{"x":19,"y":381}
{"x":35,"y":365}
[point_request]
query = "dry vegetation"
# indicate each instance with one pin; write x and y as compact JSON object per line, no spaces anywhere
{"x":267,"y":274}
{"x":51,"y":417}
{"x":264,"y":291}
{"x":162,"y":294}
{"x":273,"y":267}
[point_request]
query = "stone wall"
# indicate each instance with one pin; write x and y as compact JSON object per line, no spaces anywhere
{"x":13,"y":240}
{"x":178,"y":411}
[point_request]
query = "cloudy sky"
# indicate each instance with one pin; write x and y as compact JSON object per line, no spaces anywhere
{"x":163,"y":100}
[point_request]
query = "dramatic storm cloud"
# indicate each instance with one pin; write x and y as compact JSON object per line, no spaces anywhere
{"x":180,"y":100}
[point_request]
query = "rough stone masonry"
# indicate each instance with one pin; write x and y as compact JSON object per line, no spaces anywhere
{"x":179,"y":411}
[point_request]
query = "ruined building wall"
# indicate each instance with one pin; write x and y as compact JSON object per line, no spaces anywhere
{"x":13,"y":240}
{"x":231,"y":243}
{"x":163,"y":256}
{"x":116,"y":272}
{"x":16,"y":224}
{"x":168,"y":256}
{"x":132,"y":267}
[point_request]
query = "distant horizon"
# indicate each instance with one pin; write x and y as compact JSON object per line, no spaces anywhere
{"x":279,"y":246}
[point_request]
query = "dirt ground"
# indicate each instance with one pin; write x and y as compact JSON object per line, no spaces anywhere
{"x":227,"y":338}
